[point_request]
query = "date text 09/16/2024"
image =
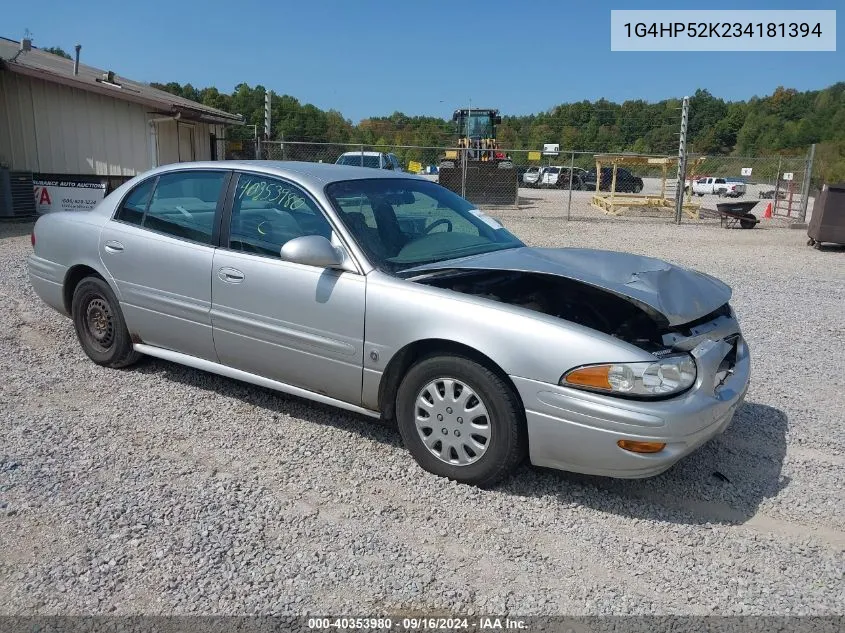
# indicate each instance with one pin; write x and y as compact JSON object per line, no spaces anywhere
{"x":417,"y":624}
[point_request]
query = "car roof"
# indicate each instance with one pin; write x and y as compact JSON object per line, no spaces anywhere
{"x":314,"y":174}
{"x":367,"y":153}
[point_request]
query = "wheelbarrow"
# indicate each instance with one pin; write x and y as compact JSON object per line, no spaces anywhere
{"x":732,"y":214}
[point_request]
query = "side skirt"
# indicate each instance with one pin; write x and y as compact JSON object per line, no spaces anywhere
{"x":245,"y":376}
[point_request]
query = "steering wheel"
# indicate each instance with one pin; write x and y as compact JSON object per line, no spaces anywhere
{"x":263,"y":225}
{"x":431,"y":226}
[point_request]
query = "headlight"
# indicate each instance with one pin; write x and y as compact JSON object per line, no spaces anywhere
{"x":664,"y":377}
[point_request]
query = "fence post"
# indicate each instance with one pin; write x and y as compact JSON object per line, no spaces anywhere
{"x":777,"y":186}
{"x":682,"y":162}
{"x":805,"y":187}
{"x":464,"y":172}
{"x":571,"y":169}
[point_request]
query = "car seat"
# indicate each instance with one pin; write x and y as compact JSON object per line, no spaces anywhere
{"x":388,"y":227}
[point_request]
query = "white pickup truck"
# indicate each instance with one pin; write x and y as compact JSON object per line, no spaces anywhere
{"x":718,"y":186}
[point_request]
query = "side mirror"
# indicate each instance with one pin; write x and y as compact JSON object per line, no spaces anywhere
{"x":311,"y":250}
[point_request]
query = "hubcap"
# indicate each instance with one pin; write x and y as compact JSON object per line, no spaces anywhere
{"x":452,"y":421}
{"x":98,"y":318}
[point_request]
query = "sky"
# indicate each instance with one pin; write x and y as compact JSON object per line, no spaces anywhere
{"x":367,"y":58}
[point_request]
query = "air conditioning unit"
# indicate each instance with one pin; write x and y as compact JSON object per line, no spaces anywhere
{"x":16,"y":194}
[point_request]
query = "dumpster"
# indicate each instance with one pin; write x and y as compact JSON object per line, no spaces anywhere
{"x":827,"y":223}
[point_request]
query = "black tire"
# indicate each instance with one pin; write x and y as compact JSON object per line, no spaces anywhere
{"x":100,"y":326}
{"x":811,"y":241}
{"x":638,"y":186}
{"x":508,"y":441}
{"x":749,"y":221}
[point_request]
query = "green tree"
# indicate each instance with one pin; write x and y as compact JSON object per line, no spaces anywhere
{"x":57,"y":50}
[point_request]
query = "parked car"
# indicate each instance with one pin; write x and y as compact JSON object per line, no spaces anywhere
{"x":549,"y":177}
{"x":390,"y":296}
{"x":626,"y":182}
{"x":531,"y":177}
{"x":559,"y":177}
{"x":376,"y":160}
{"x":718,"y":186}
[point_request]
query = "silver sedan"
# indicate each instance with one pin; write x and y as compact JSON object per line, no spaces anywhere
{"x":388,"y":295}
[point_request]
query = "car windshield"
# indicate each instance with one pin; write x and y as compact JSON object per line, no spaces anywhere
{"x":359,"y":160}
{"x":401,"y":223}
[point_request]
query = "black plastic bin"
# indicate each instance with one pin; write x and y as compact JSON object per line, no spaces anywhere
{"x":827,"y":223}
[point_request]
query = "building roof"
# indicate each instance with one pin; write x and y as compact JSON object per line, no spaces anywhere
{"x":53,"y":68}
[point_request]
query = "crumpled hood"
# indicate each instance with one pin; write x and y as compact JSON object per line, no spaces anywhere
{"x":679,"y":294}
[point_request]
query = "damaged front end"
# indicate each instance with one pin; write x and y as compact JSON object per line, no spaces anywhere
{"x":624,"y":318}
{"x":649,"y":303}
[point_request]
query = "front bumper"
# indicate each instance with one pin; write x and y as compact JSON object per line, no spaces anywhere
{"x":577,"y":431}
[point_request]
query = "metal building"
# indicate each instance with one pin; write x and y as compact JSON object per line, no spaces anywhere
{"x":64,"y":121}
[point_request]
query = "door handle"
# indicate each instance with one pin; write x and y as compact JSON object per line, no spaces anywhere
{"x":230,"y":275}
{"x":113,"y":246}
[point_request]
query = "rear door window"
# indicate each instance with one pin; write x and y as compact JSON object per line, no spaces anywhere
{"x":184,"y":205}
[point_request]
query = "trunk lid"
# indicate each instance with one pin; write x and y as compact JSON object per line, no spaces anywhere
{"x":679,"y":294}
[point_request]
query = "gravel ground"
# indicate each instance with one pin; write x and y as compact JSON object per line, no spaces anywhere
{"x":164,"y":490}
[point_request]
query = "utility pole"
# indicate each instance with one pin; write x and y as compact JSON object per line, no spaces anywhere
{"x":267,"y":114}
{"x":682,"y":162}
{"x":466,"y":154}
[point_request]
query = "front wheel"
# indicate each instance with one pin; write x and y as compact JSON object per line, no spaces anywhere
{"x":460,"y":420}
{"x":99,"y":324}
{"x":749,"y":221}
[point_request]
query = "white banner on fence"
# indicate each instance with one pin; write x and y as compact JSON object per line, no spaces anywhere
{"x":67,"y":195}
{"x":745,"y":171}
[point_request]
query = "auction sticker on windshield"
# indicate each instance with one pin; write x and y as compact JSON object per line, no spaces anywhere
{"x":485,"y":218}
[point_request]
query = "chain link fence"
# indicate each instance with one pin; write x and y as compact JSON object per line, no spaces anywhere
{"x":780,"y":181}
{"x":577,"y":185}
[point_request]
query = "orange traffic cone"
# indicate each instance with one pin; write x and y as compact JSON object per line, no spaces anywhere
{"x":768,"y":214}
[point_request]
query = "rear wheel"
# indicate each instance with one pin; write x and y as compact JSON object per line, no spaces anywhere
{"x":100,"y":326}
{"x":460,"y":420}
{"x":638,"y":186}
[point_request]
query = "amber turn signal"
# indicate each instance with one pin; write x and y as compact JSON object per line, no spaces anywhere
{"x":641,"y":447}
{"x":594,"y":376}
